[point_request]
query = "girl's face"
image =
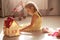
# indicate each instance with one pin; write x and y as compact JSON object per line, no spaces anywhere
{"x":29,"y":11}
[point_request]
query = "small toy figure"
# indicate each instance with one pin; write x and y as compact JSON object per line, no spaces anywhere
{"x":56,"y":33}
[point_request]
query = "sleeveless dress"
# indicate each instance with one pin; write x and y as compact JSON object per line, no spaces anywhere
{"x":37,"y":24}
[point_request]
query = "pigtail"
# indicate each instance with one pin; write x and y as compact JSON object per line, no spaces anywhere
{"x":39,"y":14}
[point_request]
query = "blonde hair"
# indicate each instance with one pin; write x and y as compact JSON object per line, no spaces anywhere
{"x":32,"y":4}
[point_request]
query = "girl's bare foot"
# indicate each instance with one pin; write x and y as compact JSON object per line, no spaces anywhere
{"x":45,"y":30}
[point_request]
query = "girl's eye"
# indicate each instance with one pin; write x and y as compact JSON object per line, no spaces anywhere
{"x":28,"y":10}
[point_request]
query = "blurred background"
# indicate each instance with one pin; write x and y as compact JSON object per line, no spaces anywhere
{"x":43,"y":5}
{"x":50,"y":11}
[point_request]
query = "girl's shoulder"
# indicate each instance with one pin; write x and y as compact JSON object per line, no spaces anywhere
{"x":36,"y":14}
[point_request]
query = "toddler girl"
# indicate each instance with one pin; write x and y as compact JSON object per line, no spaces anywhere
{"x":35,"y":25}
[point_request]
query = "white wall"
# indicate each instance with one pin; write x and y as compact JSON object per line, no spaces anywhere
{"x":42,"y":4}
{"x":54,"y":4}
{"x":9,"y":4}
{"x":59,"y":6}
{"x":1,"y":8}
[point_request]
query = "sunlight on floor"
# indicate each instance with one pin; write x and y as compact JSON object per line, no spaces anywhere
{"x":25,"y":37}
{"x":52,"y":22}
{"x":46,"y":37}
{"x":1,"y":35}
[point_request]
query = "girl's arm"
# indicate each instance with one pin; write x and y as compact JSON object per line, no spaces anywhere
{"x":34,"y":18}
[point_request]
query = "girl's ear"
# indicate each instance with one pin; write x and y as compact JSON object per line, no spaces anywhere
{"x":32,"y":8}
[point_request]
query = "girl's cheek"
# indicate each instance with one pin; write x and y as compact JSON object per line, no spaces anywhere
{"x":27,"y":10}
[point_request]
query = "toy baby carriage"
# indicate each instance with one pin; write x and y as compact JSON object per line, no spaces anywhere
{"x":18,"y":11}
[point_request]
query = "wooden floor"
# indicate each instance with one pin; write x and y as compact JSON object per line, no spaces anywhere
{"x":47,"y":21}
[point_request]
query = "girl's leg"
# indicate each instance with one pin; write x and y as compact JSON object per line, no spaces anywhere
{"x":20,"y":18}
{"x":24,"y":17}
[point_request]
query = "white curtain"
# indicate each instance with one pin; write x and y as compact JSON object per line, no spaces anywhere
{"x":7,"y":5}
